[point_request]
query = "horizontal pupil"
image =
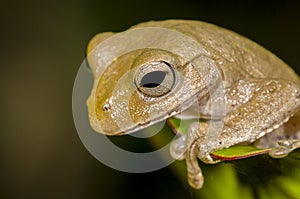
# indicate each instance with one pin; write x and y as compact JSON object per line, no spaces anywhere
{"x":151,"y":85}
{"x":153,"y":79}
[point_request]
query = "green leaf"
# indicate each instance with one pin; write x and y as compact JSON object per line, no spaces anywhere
{"x":238,"y":152}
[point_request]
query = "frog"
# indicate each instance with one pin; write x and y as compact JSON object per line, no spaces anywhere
{"x":240,"y":92}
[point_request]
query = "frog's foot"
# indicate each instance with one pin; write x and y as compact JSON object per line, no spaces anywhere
{"x":195,"y":177}
{"x":180,"y":149}
{"x":208,"y":159}
{"x":284,"y":148}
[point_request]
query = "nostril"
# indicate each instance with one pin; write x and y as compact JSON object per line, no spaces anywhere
{"x":107,"y":105}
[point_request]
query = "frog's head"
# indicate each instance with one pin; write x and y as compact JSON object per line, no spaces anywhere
{"x":135,"y":87}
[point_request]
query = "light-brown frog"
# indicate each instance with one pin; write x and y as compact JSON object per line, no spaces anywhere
{"x":242,"y":93}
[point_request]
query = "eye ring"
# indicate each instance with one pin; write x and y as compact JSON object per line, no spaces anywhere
{"x":155,"y":79}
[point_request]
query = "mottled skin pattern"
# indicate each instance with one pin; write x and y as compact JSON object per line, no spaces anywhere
{"x":261,"y":95}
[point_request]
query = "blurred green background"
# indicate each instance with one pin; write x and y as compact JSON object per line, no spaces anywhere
{"x":42,"y":46}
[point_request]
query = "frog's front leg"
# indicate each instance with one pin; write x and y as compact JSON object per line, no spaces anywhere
{"x":187,"y":147}
{"x":255,"y":107}
{"x":194,"y":172}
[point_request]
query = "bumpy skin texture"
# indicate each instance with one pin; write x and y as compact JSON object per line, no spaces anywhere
{"x":237,"y":56}
{"x":261,"y":96}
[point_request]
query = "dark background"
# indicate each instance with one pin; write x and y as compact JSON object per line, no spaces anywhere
{"x":42,"y":46}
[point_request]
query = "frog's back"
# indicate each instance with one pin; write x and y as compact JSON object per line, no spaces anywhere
{"x":237,"y":56}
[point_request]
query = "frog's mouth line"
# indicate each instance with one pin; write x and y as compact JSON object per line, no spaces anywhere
{"x":169,"y":114}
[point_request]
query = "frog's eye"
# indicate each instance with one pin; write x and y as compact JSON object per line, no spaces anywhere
{"x":155,"y":78}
